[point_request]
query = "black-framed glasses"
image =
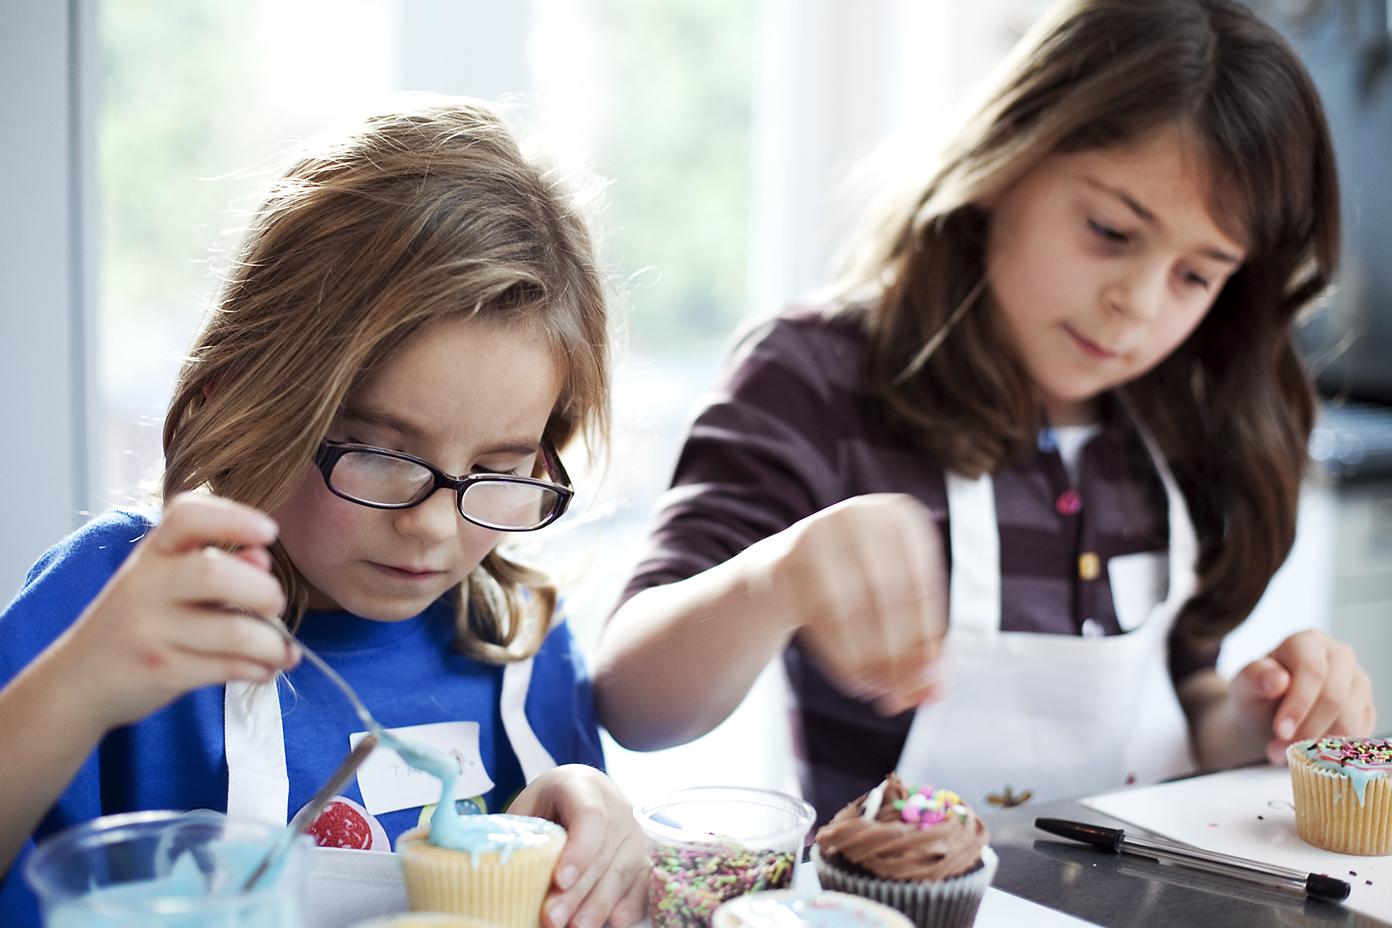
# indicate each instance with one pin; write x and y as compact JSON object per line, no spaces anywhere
{"x":384,"y":479}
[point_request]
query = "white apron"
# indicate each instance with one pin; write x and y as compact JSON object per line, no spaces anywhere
{"x":344,"y":886}
{"x":1055,"y":716}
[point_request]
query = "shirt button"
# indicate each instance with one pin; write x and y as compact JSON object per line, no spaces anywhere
{"x":1069,"y":503}
{"x":1089,"y":566}
{"x":1092,"y":628}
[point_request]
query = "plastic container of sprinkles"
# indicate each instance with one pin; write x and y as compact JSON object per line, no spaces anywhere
{"x":712,"y":843}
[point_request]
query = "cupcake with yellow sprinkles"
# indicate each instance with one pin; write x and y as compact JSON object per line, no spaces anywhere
{"x":1343,"y":797}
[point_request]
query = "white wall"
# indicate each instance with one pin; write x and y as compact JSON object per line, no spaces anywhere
{"x":44,"y":330}
{"x":477,"y":48}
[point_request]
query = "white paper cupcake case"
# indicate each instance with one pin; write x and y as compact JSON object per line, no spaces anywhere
{"x":1328,"y":813}
{"x":506,"y":893}
{"x":944,"y":904}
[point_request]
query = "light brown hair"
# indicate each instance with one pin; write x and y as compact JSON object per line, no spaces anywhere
{"x":1232,"y":407}
{"x":429,"y":213}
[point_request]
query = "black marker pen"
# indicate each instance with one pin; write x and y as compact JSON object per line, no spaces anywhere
{"x":1116,"y":841}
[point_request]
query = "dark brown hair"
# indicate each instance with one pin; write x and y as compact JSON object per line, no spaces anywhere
{"x":1232,"y":407}
{"x":428,"y":213}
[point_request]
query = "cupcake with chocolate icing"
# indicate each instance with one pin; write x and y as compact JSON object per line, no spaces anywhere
{"x":1343,"y":795}
{"x":922,"y":851}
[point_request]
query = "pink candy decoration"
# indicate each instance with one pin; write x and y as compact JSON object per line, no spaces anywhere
{"x":925,"y":807}
{"x":1068,"y":503}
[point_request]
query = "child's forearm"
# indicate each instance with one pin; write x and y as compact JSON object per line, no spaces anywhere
{"x":47,"y":729}
{"x":1222,"y":736}
{"x":675,"y":660}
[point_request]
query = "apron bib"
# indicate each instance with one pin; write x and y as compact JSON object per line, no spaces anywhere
{"x":343,"y":886}
{"x":1045,"y":716}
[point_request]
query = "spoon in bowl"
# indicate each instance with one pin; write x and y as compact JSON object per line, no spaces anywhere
{"x":310,"y":811}
{"x":417,"y":755}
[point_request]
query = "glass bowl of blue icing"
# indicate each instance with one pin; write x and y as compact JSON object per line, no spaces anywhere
{"x":165,"y":870}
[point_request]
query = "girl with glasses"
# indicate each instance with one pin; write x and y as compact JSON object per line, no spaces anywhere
{"x":414,"y":327}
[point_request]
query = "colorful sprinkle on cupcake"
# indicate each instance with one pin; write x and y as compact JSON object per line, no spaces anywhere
{"x":923,"y":851}
{"x":1343,"y":796}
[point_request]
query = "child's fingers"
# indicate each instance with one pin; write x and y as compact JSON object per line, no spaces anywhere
{"x":880,"y":562}
{"x":229,"y":636}
{"x":565,"y":907}
{"x":212,"y":576}
{"x":847,"y":650}
{"x":828,"y":653}
{"x":916,"y":650}
{"x":1260,"y":684}
{"x":1335,"y":693}
{"x":1327,"y":708}
{"x":634,"y":904}
{"x":200,"y":669}
{"x":923,"y":567}
{"x":615,"y":880}
{"x":893,"y":628}
{"x":257,"y":557}
{"x":928,"y":692}
{"x":1360,"y":716}
{"x":585,"y":819}
{"x":195,"y":520}
{"x":1307,"y":681}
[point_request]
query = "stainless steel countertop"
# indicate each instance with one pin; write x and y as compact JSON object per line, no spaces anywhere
{"x":1130,"y":892}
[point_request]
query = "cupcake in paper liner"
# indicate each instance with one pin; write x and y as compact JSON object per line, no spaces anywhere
{"x":1343,"y":796}
{"x":492,"y":867}
{"x":924,"y":853}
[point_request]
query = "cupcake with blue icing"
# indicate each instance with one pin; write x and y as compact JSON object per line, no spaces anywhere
{"x":496,"y":868}
{"x":493,"y":867}
{"x":1343,"y":798}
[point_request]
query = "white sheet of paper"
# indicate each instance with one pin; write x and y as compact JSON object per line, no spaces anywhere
{"x":1248,"y":813}
{"x":1000,"y":909}
{"x":388,"y":783}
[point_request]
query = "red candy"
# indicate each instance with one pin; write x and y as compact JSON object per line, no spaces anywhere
{"x":343,"y":823}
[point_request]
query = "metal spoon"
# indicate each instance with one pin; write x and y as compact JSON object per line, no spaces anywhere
{"x":311,"y":809}
{"x":415,"y":754}
{"x":307,"y":814}
{"x":370,"y":723}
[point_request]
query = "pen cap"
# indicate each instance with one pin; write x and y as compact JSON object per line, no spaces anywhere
{"x":1108,"y":839}
{"x":1326,"y":887}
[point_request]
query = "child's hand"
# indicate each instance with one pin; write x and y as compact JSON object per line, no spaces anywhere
{"x":603,"y":871}
{"x":163,"y":624}
{"x":869,"y":583}
{"x":1310,"y":686}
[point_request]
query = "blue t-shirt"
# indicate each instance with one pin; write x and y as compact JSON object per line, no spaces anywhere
{"x":406,"y":672}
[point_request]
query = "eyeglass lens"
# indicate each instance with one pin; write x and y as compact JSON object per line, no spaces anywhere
{"x":389,"y":481}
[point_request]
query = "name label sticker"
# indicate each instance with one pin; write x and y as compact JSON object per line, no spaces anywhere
{"x":389,"y":784}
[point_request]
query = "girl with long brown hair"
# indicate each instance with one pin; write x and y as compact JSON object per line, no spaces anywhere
{"x":1000,"y":498}
{"x":412,"y":333}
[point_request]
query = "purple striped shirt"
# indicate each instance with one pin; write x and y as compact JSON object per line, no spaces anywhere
{"x":794,"y":428}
